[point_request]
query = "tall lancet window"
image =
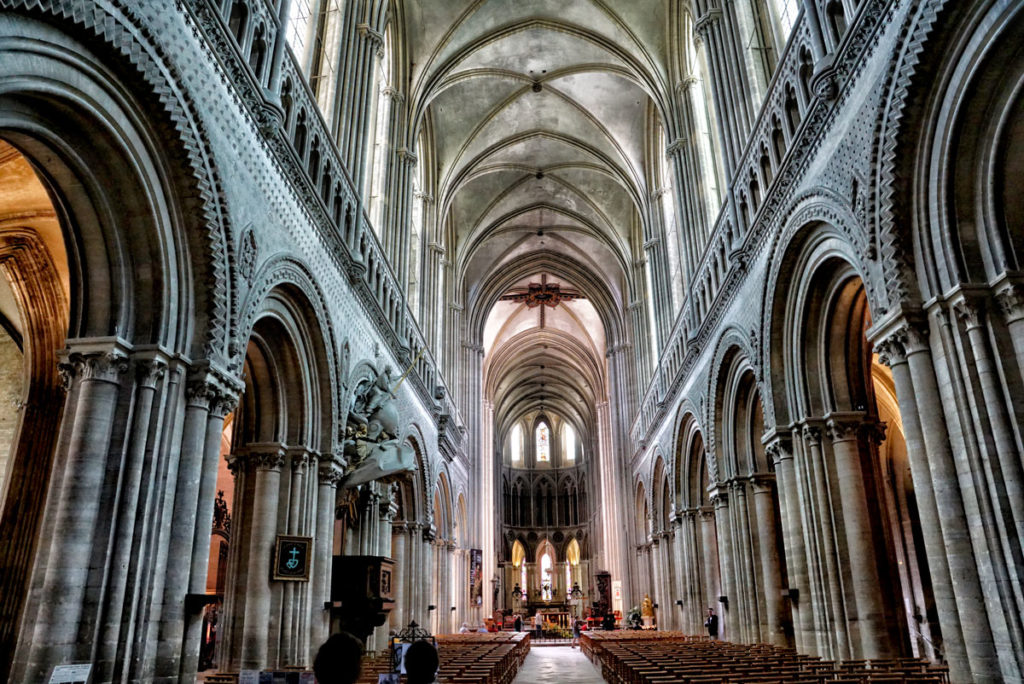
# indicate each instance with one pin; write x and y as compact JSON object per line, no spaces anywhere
{"x":376,"y":158}
{"x":569,"y":443}
{"x":516,"y":444}
{"x":543,"y":443}
{"x":546,"y":567}
{"x":314,"y":34}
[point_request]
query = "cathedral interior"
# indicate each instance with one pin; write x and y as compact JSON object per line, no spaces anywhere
{"x":505,"y":308}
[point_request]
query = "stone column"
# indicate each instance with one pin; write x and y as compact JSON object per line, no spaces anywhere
{"x":357,"y":73}
{"x":712,"y":566}
{"x":77,"y":508}
{"x":1010,"y":300}
{"x":746,"y":580}
{"x":329,"y":474}
{"x":833,"y":638}
{"x":291,"y":625}
{"x":870,"y":618}
{"x":780,"y":450}
{"x":1007,"y":472}
{"x":272,"y":93}
{"x":222,"y":402}
{"x":891,"y":353}
{"x":268,"y":461}
{"x":770,"y":569}
{"x":149,"y":370}
{"x":813,"y":23}
{"x":709,"y":27}
{"x":949,"y":501}
{"x":399,"y":537}
{"x":694,"y":591}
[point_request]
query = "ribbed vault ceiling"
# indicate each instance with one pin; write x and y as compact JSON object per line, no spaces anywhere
{"x":537,"y":112}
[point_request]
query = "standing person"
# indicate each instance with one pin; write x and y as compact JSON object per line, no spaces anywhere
{"x":538,"y":624}
{"x":518,"y":624}
{"x":575,"y":633}
{"x":712,"y":624}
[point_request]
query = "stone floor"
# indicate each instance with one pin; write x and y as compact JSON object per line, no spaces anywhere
{"x":559,"y":664}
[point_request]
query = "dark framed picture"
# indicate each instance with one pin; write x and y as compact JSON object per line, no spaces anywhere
{"x":292,"y":558}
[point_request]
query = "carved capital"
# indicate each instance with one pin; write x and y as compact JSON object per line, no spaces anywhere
{"x":223,"y":403}
{"x":706,"y":21}
{"x":373,"y":37}
{"x":407,"y":156}
{"x":149,"y":372}
{"x":105,"y":366}
{"x":971,"y":312}
{"x":843,"y":427}
{"x":779,"y":448}
{"x":812,"y":434}
{"x":1010,"y":301}
{"x":762,"y":484}
{"x":686,"y":83}
{"x":875,"y":431}
{"x":299,"y":458}
{"x":268,"y":458}
{"x":891,"y":351}
{"x":236,"y":463}
{"x":329,"y":473}
{"x":676,"y":147}
{"x":200,"y":393}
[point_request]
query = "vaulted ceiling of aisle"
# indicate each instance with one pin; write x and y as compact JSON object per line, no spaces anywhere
{"x":538,"y":112}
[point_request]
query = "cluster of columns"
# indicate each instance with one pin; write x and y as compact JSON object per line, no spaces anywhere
{"x":832,"y":543}
{"x":125,"y":531}
{"x":723,"y":556}
{"x":418,"y":554}
{"x":955,"y":367}
{"x":277,"y":490}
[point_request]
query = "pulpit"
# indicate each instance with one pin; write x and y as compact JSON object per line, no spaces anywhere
{"x":362,"y":593}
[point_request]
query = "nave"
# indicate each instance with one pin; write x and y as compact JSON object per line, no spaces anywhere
{"x":341,"y":315}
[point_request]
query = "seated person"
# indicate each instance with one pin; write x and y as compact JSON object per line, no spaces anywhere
{"x":464,"y":629}
{"x":421,"y":663}
{"x":338,"y":660}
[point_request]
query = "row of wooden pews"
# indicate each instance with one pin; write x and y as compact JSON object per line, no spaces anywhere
{"x":492,"y":658}
{"x":676,"y":658}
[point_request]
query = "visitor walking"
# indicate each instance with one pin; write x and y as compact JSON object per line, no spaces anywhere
{"x":712,"y":624}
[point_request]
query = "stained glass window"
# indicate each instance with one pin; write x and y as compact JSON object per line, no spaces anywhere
{"x":543,"y":443}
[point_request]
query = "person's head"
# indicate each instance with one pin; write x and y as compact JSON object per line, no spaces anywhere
{"x":338,"y":660}
{"x":421,"y":662}
{"x":711,"y":611}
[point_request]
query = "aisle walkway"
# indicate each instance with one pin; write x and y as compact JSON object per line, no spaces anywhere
{"x":557,"y":664}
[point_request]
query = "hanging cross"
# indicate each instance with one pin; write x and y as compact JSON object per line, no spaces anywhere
{"x":536,"y":294}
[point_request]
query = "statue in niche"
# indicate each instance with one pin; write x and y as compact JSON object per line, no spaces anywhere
{"x":371,"y":446}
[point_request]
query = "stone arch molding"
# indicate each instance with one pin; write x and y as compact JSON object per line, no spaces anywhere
{"x":811,"y":221}
{"x":284,"y":270}
{"x":170,"y":111}
{"x":413,"y":435}
{"x":897,"y":138}
{"x":732,"y":339}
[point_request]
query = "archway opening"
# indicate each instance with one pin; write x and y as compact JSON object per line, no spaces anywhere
{"x":35,"y":291}
{"x":886,"y":605}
